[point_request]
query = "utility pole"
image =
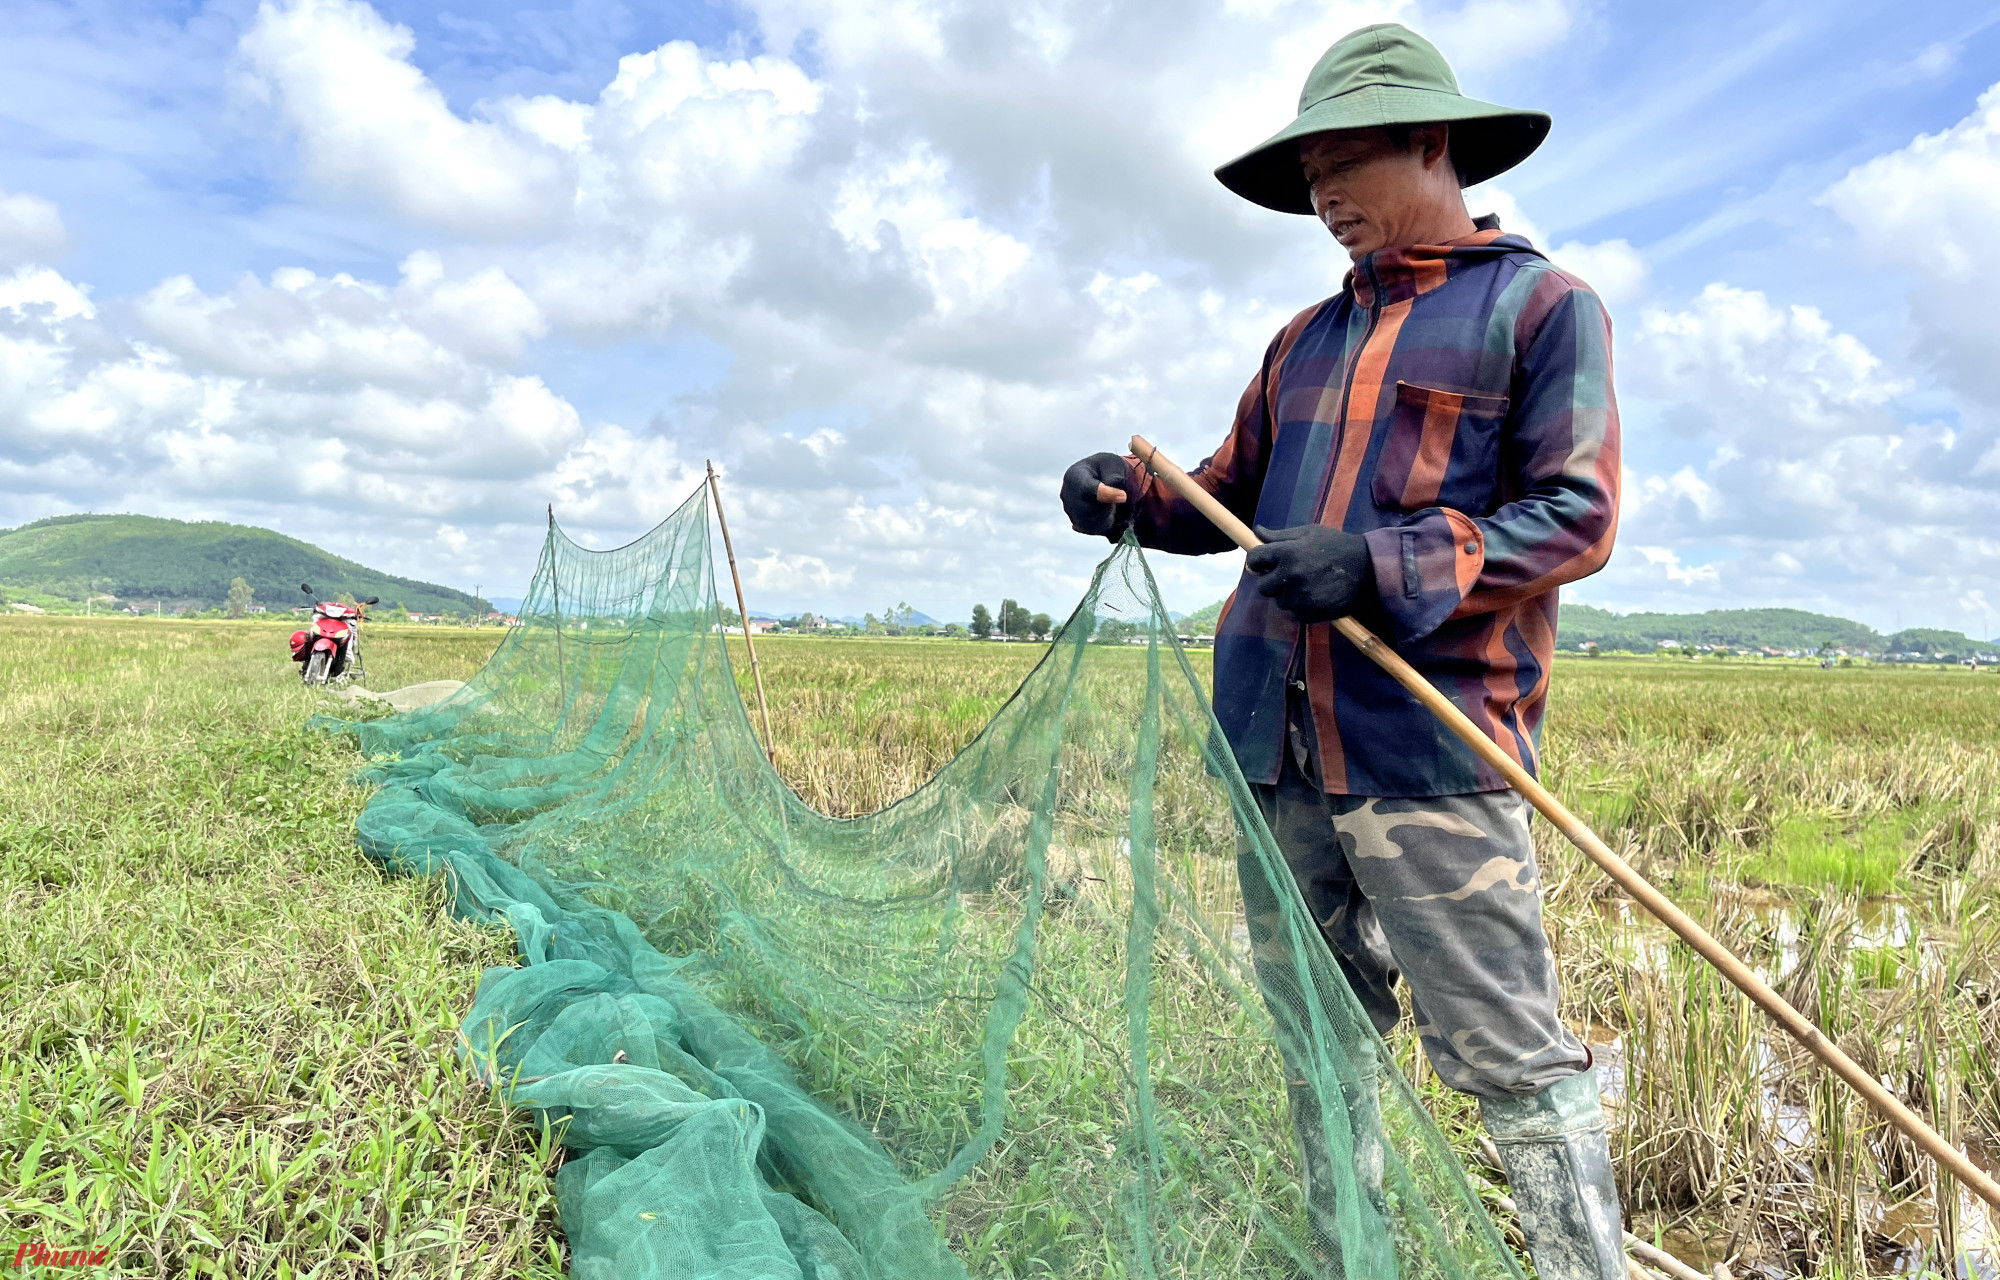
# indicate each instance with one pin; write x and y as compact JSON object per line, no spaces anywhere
{"x":479,"y":619}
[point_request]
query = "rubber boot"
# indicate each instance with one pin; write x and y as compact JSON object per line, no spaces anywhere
{"x":1365,"y":1170}
{"x":1364,"y":1113}
{"x":1557,"y":1150}
{"x":1316,"y":1177}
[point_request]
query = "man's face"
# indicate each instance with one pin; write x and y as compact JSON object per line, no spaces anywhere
{"x":1368,"y":191}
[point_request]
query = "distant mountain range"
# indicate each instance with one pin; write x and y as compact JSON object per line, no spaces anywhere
{"x":1643,"y":632}
{"x":1752,"y":629}
{"x":146,"y":558}
{"x":916,"y":619}
{"x":181,"y":563}
{"x":1745,"y":628}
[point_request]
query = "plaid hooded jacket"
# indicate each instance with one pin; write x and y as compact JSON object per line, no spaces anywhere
{"x":1452,"y":405}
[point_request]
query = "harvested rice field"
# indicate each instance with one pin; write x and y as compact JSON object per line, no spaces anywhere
{"x":226,"y":1040}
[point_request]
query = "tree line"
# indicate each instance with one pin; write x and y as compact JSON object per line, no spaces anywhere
{"x":1013,"y":623}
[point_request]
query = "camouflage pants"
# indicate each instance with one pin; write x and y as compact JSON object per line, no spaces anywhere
{"x":1442,"y":891}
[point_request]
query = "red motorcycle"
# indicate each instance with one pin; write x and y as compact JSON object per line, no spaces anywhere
{"x":331,"y":646}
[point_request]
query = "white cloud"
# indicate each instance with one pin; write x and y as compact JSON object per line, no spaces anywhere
{"x":307,"y":390}
{"x":1668,"y":562}
{"x":1613,"y":269}
{"x":1821,"y":472}
{"x":484,"y":315}
{"x":794,"y":575}
{"x":1756,"y":369}
{"x":1813,"y":481}
{"x":1238,"y":81}
{"x":1645,"y":496}
{"x":41,"y":289}
{"x":430,"y":330}
{"x":676,"y":120}
{"x":1478,"y":37}
{"x":946,"y":249}
{"x":1835,"y":475}
{"x":1936,"y":59}
{"x":1933,"y":202}
{"x":371,"y":124}
{"x":1929,"y":207}
{"x":964,"y":262}
{"x":31,"y":229}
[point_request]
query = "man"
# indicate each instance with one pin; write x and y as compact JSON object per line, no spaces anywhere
{"x":1434,"y":450}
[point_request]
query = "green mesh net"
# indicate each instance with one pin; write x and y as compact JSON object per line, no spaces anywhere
{"x":1060,"y":1012}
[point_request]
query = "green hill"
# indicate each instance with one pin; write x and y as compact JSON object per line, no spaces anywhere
{"x":1745,"y":628}
{"x":147,"y":558}
{"x":1202,"y":621}
{"x":1930,"y":642}
{"x":1750,"y":628}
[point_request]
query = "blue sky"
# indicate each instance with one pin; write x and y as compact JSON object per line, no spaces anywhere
{"x":394,"y":276}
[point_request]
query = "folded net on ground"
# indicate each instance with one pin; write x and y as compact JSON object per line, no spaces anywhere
{"x":1060,"y":1012}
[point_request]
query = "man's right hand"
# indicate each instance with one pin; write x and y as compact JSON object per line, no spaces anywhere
{"x":1095,"y":495}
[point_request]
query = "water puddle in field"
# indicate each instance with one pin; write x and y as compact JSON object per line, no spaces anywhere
{"x":1880,"y":926}
{"x":1910,"y":1232}
{"x":1883,"y":938}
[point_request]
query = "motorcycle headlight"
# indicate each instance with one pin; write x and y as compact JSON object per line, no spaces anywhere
{"x":340,"y":634}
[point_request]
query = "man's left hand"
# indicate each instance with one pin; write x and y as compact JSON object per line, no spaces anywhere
{"x":1315,"y":573}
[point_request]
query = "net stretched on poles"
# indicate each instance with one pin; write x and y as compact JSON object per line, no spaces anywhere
{"x":1060,"y":1012}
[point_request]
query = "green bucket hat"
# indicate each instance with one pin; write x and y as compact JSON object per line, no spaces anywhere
{"x":1384,"y":74}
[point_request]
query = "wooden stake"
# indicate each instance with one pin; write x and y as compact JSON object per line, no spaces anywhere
{"x":1641,"y":889}
{"x":743,"y":612}
{"x":555,"y":602}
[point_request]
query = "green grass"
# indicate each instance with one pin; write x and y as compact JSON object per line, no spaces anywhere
{"x":1787,"y":808}
{"x":226,"y":1043}
{"x":1879,"y":966}
{"x":1762,"y":797}
{"x":225,"y":1040}
{"x":1814,"y":853}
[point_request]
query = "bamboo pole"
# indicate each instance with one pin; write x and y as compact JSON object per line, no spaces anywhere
{"x":1741,"y":975}
{"x":555,"y":602}
{"x":743,"y":612}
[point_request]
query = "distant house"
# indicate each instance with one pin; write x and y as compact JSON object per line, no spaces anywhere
{"x":762,"y":626}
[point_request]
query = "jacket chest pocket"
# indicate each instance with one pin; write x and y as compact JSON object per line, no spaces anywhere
{"x":1442,"y":450}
